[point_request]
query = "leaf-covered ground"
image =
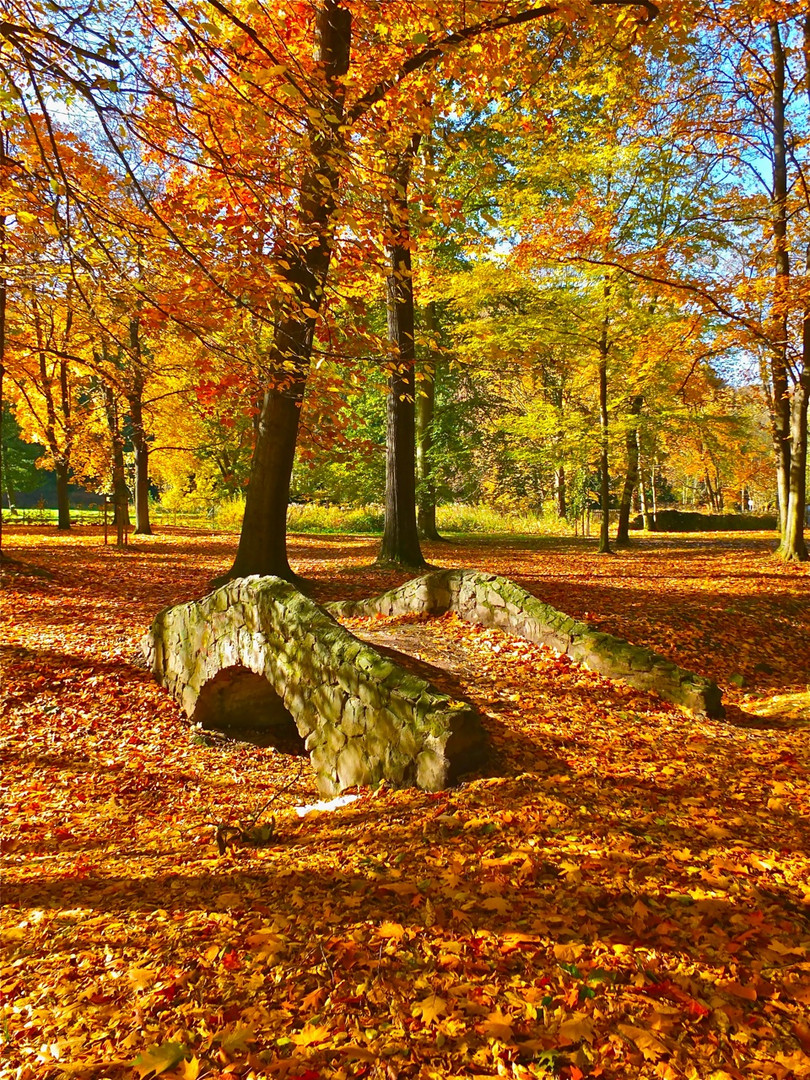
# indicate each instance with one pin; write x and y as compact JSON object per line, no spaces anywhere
{"x":624,"y":893}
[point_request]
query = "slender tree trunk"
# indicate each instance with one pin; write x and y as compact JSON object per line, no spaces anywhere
{"x":642,"y":488}
{"x":119,"y":478}
{"x":793,"y":547}
{"x":2,"y":328}
{"x":143,"y":524}
{"x":560,"y":496}
{"x":712,"y":494}
{"x":654,"y":491}
{"x":60,"y":453}
{"x":779,"y":400}
{"x":604,"y":474}
{"x":62,"y":495}
{"x":425,"y":411}
{"x":400,"y":542}
{"x":140,"y":441}
{"x":631,"y":476}
{"x":304,"y":262}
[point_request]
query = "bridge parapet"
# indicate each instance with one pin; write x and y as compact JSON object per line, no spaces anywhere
{"x":490,"y":600}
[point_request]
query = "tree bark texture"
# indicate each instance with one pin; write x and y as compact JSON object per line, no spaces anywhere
{"x":631,"y":475}
{"x":644,"y":506}
{"x":425,"y":412}
{"x":62,"y":495}
{"x":400,"y":542}
{"x":56,"y":419}
{"x":793,"y":546}
{"x":778,"y":392}
{"x":2,"y":330}
{"x":604,"y":463}
{"x":140,"y":441}
{"x":119,"y":477}
{"x":560,"y":494}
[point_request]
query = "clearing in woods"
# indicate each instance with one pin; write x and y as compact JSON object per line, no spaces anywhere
{"x":625,"y":891}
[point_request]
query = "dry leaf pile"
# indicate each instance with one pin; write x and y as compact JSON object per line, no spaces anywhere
{"x":624,"y":893}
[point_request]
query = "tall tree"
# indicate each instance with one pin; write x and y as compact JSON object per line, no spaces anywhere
{"x":400,"y":541}
{"x":326,"y":122}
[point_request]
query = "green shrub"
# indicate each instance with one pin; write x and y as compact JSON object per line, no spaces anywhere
{"x":319,"y":518}
{"x":463,"y":518}
{"x":228,"y":515}
{"x":314,"y":518}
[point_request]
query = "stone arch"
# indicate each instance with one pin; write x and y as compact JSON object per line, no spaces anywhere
{"x":237,"y":700}
{"x":259,"y":644}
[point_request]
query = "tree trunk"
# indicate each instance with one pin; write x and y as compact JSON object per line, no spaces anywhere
{"x":604,"y":475}
{"x":400,"y":542}
{"x":2,"y":325}
{"x":654,"y":492}
{"x":425,"y":410}
{"x":59,"y":454}
{"x":793,"y":547}
{"x":559,"y":492}
{"x":263,"y":540}
{"x":119,"y":478}
{"x":304,"y":262}
{"x":143,"y":524}
{"x":631,"y":476}
{"x":779,"y":400}
{"x":140,"y":442}
{"x":62,"y":497}
{"x":642,"y":488}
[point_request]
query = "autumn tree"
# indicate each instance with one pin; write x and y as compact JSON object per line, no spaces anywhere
{"x":312,"y":116}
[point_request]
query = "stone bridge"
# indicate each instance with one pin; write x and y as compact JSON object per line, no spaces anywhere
{"x":490,"y":600}
{"x":256,"y":653}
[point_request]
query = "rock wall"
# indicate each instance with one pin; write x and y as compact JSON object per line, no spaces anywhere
{"x":363,"y":718}
{"x":490,"y":600}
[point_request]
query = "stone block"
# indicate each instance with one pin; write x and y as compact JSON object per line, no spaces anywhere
{"x":335,"y":740}
{"x":385,"y":725}
{"x":353,"y":766}
{"x":431,"y":770}
{"x":409,"y":742}
{"x":353,"y":721}
{"x":371,"y":695}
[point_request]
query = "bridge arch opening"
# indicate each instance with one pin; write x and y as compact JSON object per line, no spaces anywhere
{"x":246,"y":706}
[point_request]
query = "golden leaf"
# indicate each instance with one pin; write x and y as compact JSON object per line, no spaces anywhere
{"x":190,"y":1069}
{"x":310,"y":1034}
{"x":497,"y":1025}
{"x":430,"y":1009}
{"x":141,"y":977}
{"x":391,"y":930}
{"x":647,"y":1043}
{"x":578,"y":1028}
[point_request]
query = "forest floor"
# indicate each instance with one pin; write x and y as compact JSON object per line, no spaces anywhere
{"x":625,"y":891}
